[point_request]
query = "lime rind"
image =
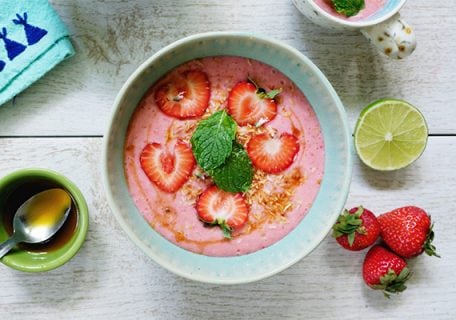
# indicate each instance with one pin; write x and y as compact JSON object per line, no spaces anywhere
{"x":390,"y":134}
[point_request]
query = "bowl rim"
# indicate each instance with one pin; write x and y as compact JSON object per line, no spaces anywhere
{"x":110,"y":128}
{"x":83,"y":218}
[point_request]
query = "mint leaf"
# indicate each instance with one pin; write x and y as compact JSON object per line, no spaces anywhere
{"x":348,"y":7}
{"x":212,"y":140}
{"x":236,"y":174}
{"x":219,"y":155}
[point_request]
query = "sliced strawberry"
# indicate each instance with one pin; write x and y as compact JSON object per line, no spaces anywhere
{"x":185,"y":96}
{"x":249,"y":105}
{"x":228,"y":210}
{"x":272,"y":154}
{"x":167,"y":169}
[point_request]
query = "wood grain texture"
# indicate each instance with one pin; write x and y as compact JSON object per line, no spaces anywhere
{"x":113,"y":37}
{"x":111,"y":279}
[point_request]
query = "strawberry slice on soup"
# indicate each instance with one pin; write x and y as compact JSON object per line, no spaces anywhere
{"x":185,"y":95}
{"x":167,"y":168}
{"x":248,"y":104}
{"x":272,"y":154}
{"x":228,"y":210}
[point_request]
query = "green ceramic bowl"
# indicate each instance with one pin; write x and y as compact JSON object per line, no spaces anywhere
{"x":326,"y":207}
{"x":29,"y":261}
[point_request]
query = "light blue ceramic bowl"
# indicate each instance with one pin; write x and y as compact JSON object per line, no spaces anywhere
{"x":323,"y":213}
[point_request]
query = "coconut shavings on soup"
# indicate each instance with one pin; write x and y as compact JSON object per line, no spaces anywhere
{"x":224,"y":156}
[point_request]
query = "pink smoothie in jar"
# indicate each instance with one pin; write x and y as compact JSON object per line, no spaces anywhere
{"x":370,"y":8}
{"x":277,"y":202}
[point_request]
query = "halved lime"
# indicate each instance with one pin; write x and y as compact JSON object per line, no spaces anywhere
{"x":390,"y":134}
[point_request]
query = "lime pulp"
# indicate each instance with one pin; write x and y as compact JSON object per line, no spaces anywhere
{"x":390,"y":134}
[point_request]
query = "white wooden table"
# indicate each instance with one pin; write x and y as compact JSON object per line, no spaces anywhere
{"x":58,"y":123}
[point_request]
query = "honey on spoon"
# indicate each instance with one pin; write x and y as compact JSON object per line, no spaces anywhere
{"x":38,"y":218}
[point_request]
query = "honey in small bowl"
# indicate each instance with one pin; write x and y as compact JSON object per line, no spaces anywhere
{"x":11,"y":202}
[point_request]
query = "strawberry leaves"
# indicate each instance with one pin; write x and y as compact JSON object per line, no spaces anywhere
{"x":349,"y":224}
{"x":393,"y":283}
{"x":429,"y":248}
{"x":226,"y":230}
{"x":268,"y":95}
{"x":262,"y":92}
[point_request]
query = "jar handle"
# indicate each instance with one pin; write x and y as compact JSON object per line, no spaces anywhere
{"x":393,"y":37}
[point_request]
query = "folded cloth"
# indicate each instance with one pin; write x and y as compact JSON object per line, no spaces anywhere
{"x":33,"y":40}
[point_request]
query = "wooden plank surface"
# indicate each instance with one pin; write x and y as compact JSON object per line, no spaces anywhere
{"x":113,"y":37}
{"x":111,"y":279}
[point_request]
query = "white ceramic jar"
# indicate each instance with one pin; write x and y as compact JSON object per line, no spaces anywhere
{"x":385,"y":28}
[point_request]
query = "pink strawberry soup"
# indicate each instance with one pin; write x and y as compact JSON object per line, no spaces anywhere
{"x":371,"y":7}
{"x":277,"y":202}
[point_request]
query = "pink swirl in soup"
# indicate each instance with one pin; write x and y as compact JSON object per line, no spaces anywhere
{"x":276,"y":132}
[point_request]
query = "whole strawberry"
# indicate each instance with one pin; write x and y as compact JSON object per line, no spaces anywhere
{"x":384,"y":270}
{"x":408,"y":231}
{"x":356,"y":229}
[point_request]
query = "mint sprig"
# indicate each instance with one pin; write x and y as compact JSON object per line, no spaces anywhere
{"x":236,"y":174}
{"x":212,"y":140}
{"x":348,"y":8}
{"x":217,"y":152}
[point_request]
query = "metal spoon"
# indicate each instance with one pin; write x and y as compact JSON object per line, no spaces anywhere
{"x":38,"y":218}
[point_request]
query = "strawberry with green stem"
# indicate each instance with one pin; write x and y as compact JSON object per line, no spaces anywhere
{"x":384,"y":270}
{"x":408,"y":231}
{"x":356,"y":229}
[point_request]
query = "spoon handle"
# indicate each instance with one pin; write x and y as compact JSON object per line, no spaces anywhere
{"x":6,"y":246}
